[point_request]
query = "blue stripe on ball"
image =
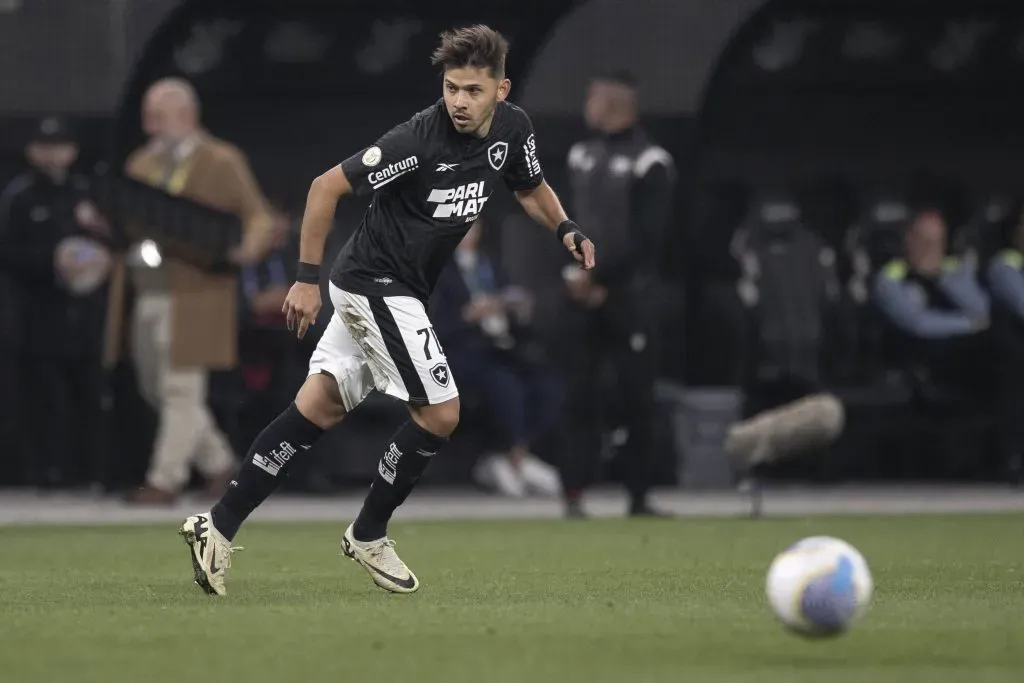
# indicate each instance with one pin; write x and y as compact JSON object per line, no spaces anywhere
{"x":830,"y":600}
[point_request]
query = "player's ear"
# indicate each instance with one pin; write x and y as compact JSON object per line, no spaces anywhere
{"x":504,"y":86}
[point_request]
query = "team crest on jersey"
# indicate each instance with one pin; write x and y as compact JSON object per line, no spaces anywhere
{"x":441,"y":374}
{"x":372,"y":156}
{"x":496,"y":155}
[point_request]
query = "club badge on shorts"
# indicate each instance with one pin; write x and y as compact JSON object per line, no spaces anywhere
{"x":441,"y":374}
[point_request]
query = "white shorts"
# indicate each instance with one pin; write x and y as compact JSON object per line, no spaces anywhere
{"x":383,"y":343}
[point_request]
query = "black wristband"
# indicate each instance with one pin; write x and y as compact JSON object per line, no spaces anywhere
{"x":568,"y":226}
{"x":565,"y":227}
{"x":308,"y":273}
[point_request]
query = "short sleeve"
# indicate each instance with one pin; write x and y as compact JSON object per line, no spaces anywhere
{"x":523,"y":171}
{"x":394,"y":158}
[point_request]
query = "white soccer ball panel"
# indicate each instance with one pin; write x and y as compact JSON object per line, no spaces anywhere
{"x":819,"y":585}
{"x":862,"y":579}
{"x":785,"y":587}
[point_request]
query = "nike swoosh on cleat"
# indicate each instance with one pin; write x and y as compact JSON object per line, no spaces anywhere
{"x":349,"y":552}
{"x":404,"y":583}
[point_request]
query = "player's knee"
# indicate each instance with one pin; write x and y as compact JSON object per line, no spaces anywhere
{"x":440,"y":419}
{"x":319,"y":401}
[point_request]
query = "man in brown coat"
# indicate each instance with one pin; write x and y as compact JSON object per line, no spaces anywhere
{"x":184,"y":322}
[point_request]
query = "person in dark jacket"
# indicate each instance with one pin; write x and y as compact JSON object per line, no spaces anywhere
{"x":483,"y":326}
{"x":622,"y":187}
{"x":1005,"y":276}
{"x":935,"y":308}
{"x":52,"y":250}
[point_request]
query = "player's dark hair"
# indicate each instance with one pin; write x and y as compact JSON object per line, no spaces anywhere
{"x":476,"y":46}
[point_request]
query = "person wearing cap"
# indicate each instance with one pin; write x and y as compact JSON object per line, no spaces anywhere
{"x":184,"y":319}
{"x":54,"y":259}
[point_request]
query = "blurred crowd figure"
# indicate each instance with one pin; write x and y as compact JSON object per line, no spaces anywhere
{"x":53,"y":261}
{"x":958,"y":328}
{"x":184,"y":320}
{"x":1005,"y":277}
{"x":484,"y":324}
{"x":936,"y":307}
{"x":621,"y":188}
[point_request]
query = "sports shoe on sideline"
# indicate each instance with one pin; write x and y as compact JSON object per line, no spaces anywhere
{"x":497,"y":472}
{"x":540,"y":477}
{"x":210,"y":552}
{"x":381,"y":562}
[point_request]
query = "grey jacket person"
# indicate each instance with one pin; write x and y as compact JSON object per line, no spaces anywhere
{"x":905,"y":301}
{"x":1006,"y":280}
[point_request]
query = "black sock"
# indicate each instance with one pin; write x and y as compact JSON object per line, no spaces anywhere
{"x":406,"y":458}
{"x":265,"y":465}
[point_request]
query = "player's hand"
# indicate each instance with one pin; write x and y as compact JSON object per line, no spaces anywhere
{"x":301,"y":307}
{"x":584,"y":254}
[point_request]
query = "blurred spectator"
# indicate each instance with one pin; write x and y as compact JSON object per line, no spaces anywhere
{"x":185,"y":319}
{"x":935,"y":307}
{"x":788,"y":284}
{"x":274,"y":364}
{"x":484,"y":329}
{"x":1006,"y":283}
{"x":264,"y":285}
{"x":621,"y":190}
{"x":51,"y":248}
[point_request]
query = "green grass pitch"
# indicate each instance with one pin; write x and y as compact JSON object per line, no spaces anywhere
{"x":526,"y":602}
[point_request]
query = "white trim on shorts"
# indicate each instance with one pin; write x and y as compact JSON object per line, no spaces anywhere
{"x":383,"y":343}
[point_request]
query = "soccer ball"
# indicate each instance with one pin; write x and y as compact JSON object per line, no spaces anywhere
{"x":819,"y":586}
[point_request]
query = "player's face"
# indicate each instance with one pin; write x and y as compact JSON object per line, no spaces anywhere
{"x":470,"y":95}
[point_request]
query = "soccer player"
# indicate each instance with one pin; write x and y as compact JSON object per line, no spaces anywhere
{"x":430,"y":178}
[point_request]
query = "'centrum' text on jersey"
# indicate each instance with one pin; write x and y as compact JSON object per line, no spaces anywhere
{"x":429,"y":183}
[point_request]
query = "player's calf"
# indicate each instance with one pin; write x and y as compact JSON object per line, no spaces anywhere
{"x":403,"y":463}
{"x":271,"y":454}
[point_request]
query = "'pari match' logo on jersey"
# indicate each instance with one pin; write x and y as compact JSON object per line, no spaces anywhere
{"x":496,"y":155}
{"x":379,"y":179}
{"x":462,"y":201}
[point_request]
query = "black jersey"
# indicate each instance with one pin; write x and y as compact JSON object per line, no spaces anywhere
{"x":429,"y":183}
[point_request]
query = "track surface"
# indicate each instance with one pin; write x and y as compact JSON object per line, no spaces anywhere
{"x":20,"y":507}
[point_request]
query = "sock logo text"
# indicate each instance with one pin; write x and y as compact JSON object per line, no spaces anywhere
{"x":272,"y":463}
{"x":388,"y":467}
